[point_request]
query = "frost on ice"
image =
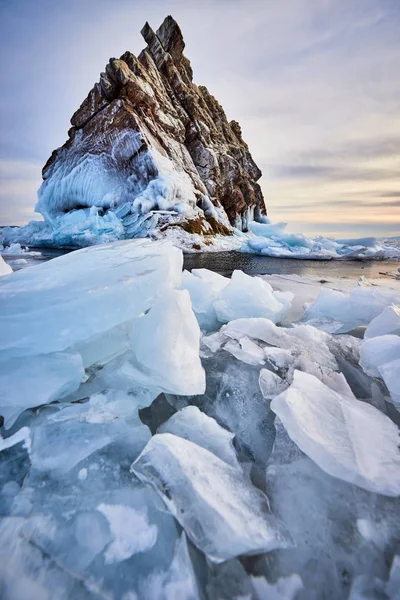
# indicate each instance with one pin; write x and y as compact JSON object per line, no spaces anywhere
{"x":184,"y":435}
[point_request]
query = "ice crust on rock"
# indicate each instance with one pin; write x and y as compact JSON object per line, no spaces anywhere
{"x":220,"y":510}
{"x":347,"y":438}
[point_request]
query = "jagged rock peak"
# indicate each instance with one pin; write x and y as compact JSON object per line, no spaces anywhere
{"x":154,"y":150}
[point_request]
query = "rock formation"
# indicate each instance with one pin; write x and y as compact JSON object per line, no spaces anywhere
{"x":150,"y":146}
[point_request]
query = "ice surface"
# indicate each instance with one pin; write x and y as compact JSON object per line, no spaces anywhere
{"x":166,"y":343}
{"x":322,"y":513}
{"x":347,"y":438}
{"x":387,"y":322}
{"x":35,"y":380}
{"x":79,"y":288}
{"x":247,"y":296}
{"x":193,"y":425}
{"x":220,"y":510}
{"x":5,"y":269}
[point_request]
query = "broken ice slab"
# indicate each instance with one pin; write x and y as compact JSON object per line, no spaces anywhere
{"x":166,"y":343}
{"x":222,"y":513}
{"x":345,"y":437}
{"x":192,"y":424}
{"x":247,"y":296}
{"x":78,"y":296}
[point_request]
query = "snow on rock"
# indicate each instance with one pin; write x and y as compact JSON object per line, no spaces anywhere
{"x":247,"y":296}
{"x":193,"y":425}
{"x":219,"y":509}
{"x":347,"y":438}
{"x":271,"y":240}
{"x":5,"y":269}
{"x":387,"y":322}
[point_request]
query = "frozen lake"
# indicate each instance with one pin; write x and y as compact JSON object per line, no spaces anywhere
{"x":226,"y":262}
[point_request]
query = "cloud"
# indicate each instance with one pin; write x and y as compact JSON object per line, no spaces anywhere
{"x":314,"y":84}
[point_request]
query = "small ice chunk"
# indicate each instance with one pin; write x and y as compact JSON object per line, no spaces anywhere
{"x":387,"y":322}
{"x":220,"y":510}
{"x":130,"y":529}
{"x":347,"y":438}
{"x":192,"y":424}
{"x":247,"y":296}
{"x":166,"y":345}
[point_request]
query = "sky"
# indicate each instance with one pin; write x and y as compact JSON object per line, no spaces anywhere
{"x":315,"y":85}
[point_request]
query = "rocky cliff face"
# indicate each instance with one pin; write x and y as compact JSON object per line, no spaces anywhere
{"x":153,"y":149}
